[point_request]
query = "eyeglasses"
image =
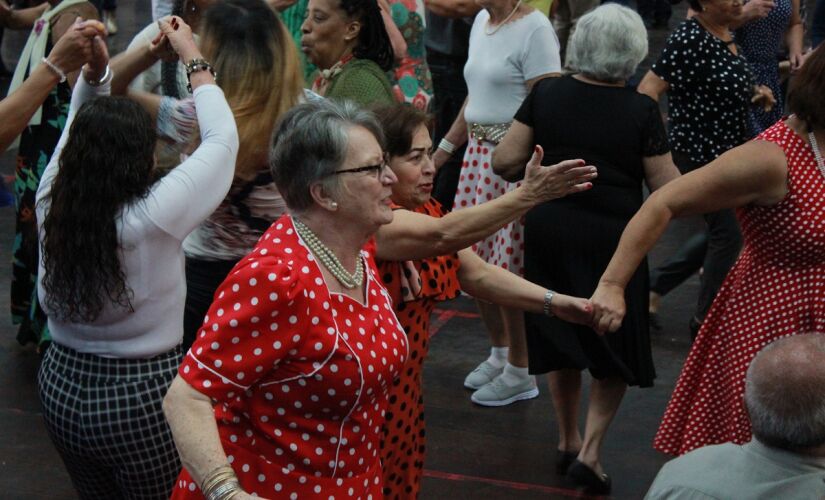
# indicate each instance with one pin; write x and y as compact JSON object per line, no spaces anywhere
{"x":375,"y":170}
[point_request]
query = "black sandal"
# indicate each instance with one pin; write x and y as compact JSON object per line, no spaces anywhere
{"x":584,"y":476}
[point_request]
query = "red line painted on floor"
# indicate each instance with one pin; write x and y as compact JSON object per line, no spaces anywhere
{"x":442,"y":316}
{"x":453,"y":312}
{"x":555,"y":490}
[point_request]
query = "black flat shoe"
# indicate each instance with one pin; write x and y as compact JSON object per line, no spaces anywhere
{"x":563,"y":461}
{"x":584,"y":476}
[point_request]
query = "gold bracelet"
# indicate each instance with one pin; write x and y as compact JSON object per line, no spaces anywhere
{"x":215,"y":477}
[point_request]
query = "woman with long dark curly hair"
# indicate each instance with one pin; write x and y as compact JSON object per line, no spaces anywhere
{"x":111,"y":275}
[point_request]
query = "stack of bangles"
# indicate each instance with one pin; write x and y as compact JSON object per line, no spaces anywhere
{"x":221,"y":484}
{"x":447,"y":146}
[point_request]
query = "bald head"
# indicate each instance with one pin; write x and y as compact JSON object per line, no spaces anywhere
{"x":785,"y":393}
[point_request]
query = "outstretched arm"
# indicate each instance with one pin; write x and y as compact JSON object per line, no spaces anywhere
{"x":412,"y":236}
{"x":754,"y":173}
{"x":493,"y":284}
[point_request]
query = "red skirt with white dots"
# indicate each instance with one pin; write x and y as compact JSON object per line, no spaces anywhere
{"x":478,"y":184}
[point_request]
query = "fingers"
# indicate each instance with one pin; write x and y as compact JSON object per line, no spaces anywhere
{"x":566,"y":165}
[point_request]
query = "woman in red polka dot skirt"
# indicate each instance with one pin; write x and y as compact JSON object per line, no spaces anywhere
{"x":775,"y":289}
{"x":283,"y":393}
{"x":435,"y":273}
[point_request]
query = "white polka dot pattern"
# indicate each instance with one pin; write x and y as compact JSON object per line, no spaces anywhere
{"x":775,"y":289}
{"x":299,"y":376}
{"x":709,"y":94}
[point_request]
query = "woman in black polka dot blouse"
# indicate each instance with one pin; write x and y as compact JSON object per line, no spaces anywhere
{"x":710,"y":89}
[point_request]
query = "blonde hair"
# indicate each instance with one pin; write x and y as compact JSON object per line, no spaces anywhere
{"x":259,"y":71}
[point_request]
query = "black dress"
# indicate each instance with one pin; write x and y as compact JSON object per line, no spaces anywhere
{"x":569,"y":242}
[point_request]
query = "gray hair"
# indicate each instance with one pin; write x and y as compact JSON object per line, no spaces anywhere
{"x":785,"y":393}
{"x":608,"y":44}
{"x":310,"y":143}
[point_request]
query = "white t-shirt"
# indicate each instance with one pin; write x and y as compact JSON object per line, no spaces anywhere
{"x":151,"y":231}
{"x":499,"y":65}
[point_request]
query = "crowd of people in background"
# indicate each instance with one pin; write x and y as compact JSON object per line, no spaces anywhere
{"x":231,"y":236}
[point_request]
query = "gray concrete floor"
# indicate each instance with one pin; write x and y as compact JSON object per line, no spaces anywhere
{"x":473,"y":452}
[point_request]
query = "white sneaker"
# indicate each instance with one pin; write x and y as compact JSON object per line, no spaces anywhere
{"x":498,"y":393}
{"x":482,"y":375}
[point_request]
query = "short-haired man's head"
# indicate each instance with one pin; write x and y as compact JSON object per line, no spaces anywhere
{"x":785,"y":393}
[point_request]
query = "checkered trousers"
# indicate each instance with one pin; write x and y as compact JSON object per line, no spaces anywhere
{"x":104,"y":417}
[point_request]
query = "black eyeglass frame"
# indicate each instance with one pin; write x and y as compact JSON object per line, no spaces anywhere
{"x":378,"y":169}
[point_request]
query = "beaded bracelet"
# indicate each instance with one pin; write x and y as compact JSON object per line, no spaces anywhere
{"x":196,"y":65}
{"x":54,"y":68}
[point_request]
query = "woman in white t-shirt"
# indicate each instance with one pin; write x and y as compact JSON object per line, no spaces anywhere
{"x":512,"y":46}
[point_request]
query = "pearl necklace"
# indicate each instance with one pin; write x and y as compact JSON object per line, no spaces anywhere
{"x":502,"y":23}
{"x":820,"y":163}
{"x":329,"y":260}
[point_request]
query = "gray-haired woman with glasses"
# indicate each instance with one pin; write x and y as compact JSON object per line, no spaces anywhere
{"x":284,"y":389}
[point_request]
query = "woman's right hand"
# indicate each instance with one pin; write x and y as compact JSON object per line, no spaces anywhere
{"x":608,"y":307}
{"x":179,"y":35}
{"x":75,"y":47}
{"x":556,"y":181}
{"x":572,"y":309}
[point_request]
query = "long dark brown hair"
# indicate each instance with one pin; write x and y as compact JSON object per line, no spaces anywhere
{"x":106,"y":163}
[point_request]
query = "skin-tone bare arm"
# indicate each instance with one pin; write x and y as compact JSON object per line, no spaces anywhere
{"x":496,"y":285}
{"x":20,"y":19}
{"x":193,"y":426}
{"x":64,"y":23}
{"x":127,"y":65}
{"x":513,"y":151}
{"x":412,"y":236}
{"x":794,"y":37}
{"x":652,"y":86}
{"x":181,"y":43}
{"x":453,"y":8}
{"x":457,"y":136}
{"x":69,"y":54}
{"x":659,"y":170}
{"x":754,"y":173}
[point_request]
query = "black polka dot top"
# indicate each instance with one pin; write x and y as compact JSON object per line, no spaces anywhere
{"x":709,"y":95}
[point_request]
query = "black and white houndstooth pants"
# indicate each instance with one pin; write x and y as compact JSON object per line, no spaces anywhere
{"x":104,"y":417}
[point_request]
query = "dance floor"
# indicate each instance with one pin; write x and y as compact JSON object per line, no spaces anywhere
{"x":473,"y":452}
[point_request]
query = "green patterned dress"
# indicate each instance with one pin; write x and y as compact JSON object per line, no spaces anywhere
{"x":36,"y":146}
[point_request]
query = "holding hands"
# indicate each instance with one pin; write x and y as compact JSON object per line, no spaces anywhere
{"x":77,"y":46}
{"x":546,"y":183}
{"x":608,"y":307}
{"x":176,"y":34}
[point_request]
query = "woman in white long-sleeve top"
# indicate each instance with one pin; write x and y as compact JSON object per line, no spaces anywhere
{"x":112,"y":275}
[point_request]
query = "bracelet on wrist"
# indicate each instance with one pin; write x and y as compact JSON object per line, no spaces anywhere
{"x":548,"y":299}
{"x":59,"y":72}
{"x":447,"y":146}
{"x":196,"y":65}
{"x":107,"y":75}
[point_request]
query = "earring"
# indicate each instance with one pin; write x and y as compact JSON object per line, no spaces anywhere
{"x":194,"y":7}
{"x":333,"y":205}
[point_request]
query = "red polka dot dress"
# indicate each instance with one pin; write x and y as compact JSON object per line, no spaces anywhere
{"x":299,"y":376}
{"x":415,"y":287}
{"x":477,"y":183}
{"x":775,"y":289}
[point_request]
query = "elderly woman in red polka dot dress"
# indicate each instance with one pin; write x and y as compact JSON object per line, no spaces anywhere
{"x":423,"y":258}
{"x":777,"y":286}
{"x":284,"y":391}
